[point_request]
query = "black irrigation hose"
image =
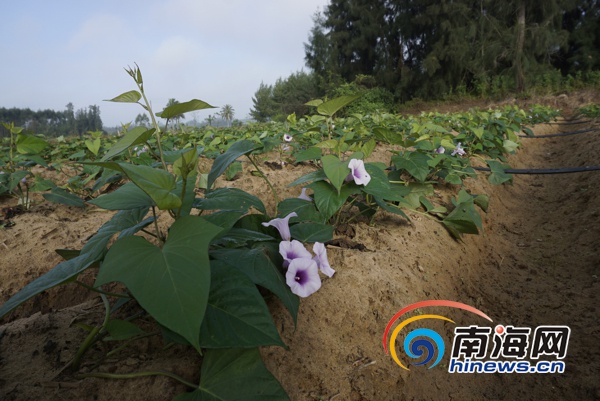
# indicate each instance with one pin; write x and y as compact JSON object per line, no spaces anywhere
{"x":562,"y":170}
{"x":583,"y":131}
{"x":570,"y":122}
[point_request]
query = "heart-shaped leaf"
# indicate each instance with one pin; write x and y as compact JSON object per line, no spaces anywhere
{"x":335,"y":170}
{"x":128,"y":97}
{"x":235,"y":374}
{"x":158,"y":184}
{"x":257,"y":265}
{"x":172,"y":283}
{"x":185,"y":107}
{"x":133,"y":137}
{"x":236,"y":315}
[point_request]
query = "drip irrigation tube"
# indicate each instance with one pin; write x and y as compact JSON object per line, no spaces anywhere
{"x":583,"y":131}
{"x":570,"y":122}
{"x":563,"y":170}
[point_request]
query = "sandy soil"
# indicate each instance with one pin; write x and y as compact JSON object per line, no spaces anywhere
{"x":537,"y":263}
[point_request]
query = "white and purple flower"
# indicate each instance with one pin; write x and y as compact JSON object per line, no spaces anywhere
{"x":288,"y":138}
{"x":358,"y":172}
{"x":282,"y":225}
{"x":321,"y":259}
{"x":440,"y":150}
{"x":303,"y":277}
{"x":304,"y":196}
{"x":459,"y":150}
{"x":291,"y":250}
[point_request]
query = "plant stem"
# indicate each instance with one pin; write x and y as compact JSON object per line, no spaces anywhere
{"x":92,"y":337}
{"x":140,"y":374}
{"x":155,"y":123}
{"x":264,"y":177}
{"x":110,"y":294}
{"x":158,"y":234}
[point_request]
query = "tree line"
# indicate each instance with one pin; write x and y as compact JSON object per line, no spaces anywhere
{"x":54,"y":123}
{"x":429,"y":49}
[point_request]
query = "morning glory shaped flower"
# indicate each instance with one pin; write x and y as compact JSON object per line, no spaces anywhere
{"x":440,"y":150}
{"x":321,"y":259}
{"x":291,"y":250}
{"x":288,"y":138}
{"x":282,"y":225}
{"x":304,"y":196}
{"x":358,"y":174}
{"x":459,"y":150}
{"x":303,"y":277}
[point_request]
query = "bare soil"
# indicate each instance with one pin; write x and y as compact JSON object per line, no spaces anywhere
{"x":536,"y":263}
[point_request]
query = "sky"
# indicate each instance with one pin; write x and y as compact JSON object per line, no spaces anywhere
{"x":218,"y":51}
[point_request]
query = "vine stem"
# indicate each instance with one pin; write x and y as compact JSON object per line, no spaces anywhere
{"x":264,"y":177}
{"x":91,"y":338}
{"x":140,"y":374}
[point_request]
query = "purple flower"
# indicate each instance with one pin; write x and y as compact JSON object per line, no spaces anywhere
{"x":358,"y":174}
{"x":321,"y":259}
{"x":304,"y":196}
{"x":459,"y":150}
{"x":303,"y":277}
{"x":288,"y":138}
{"x":440,"y":150}
{"x":282,"y":225}
{"x":291,"y":250}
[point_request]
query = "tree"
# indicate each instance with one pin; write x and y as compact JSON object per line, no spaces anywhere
{"x":142,"y":120}
{"x":227,"y":114}
{"x":264,"y":107}
{"x":177,"y":118}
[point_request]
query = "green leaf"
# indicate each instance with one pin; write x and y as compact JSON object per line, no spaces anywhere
{"x":483,"y":201}
{"x":128,"y":97}
{"x":328,"y":200}
{"x":229,"y":199}
{"x":464,"y":219}
{"x":478,"y":131}
{"x":314,"y":103}
{"x":390,"y":208}
{"x":335,"y":170}
{"x":386,"y":135}
{"x":158,"y":184}
{"x":232,"y":171}
{"x":90,"y":253}
{"x":129,"y":196}
{"x":93,"y":146}
{"x":119,"y":330}
{"x":236,"y":315}
{"x":59,"y":195}
{"x":413,"y":162}
{"x":498,"y":176}
{"x":306,"y":210}
{"x":186,"y":163}
{"x":510,"y":146}
{"x":318,"y":175}
{"x":380,"y":187}
{"x":181,"y":108}
{"x":172,"y":283}
{"x":256,"y":264}
{"x":135,"y":136}
{"x":235,"y":374}
{"x":27,"y":144}
{"x":312,"y":232}
{"x":236,"y":150}
{"x":330,"y":107}
{"x":312,"y":153}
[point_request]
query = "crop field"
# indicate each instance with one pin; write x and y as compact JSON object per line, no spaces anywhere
{"x":265,"y":261}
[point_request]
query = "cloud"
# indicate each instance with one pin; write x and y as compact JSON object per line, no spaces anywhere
{"x":100,"y":30}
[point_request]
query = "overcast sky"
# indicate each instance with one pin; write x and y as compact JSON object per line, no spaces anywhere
{"x":219,"y":51}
